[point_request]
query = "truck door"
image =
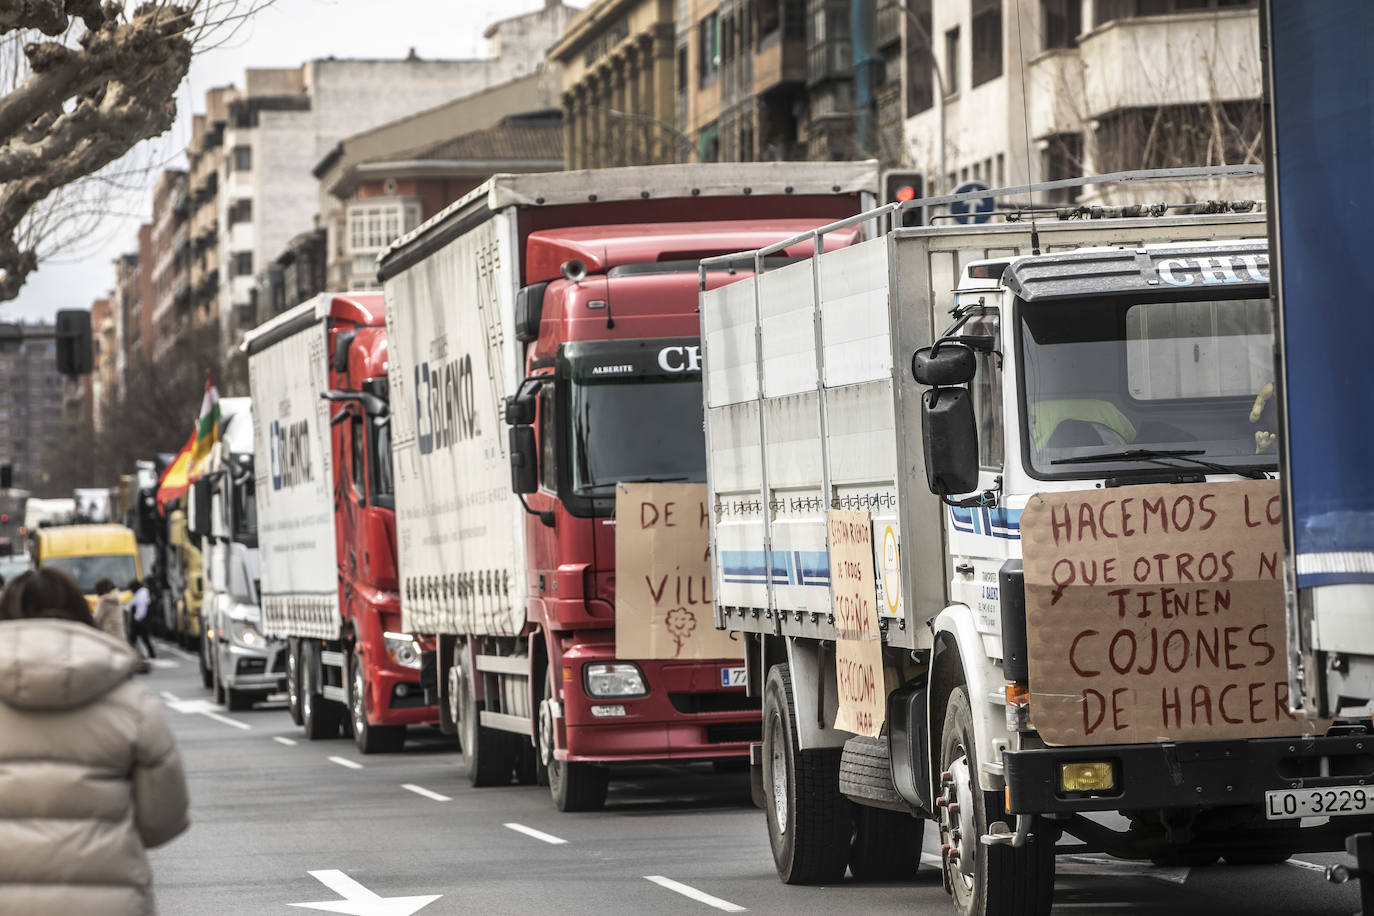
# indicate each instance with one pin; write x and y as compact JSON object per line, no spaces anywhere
{"x":355,"y":490}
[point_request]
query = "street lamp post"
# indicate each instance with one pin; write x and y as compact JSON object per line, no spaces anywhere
{"x":685,"y":141}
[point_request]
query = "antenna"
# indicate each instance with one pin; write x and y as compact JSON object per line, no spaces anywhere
{"x":1025,"y":126}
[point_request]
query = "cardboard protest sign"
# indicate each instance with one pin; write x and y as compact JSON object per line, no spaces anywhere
{"x":1156,"y":613}
{"x":663,"y":574}
{"x":858,"y":642}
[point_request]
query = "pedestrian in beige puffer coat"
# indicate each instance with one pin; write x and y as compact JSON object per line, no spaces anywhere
{"x":89,"y":775}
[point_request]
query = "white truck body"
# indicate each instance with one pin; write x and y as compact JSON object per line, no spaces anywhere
{"x":292,"y":465}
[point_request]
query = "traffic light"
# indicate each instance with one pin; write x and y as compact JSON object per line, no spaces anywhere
{"x":74,"y":342}
{"x":6,"y":476}
{"x":903,"y":185}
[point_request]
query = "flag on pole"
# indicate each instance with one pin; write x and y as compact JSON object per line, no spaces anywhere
{"x":207,"y":427}
{"x":176,"y":477}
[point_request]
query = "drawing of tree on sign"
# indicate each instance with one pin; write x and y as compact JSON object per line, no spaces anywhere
{"x":681,"y":622}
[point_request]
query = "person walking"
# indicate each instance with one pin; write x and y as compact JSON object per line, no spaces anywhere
{"x":92,"y":777}
{"x":138,"y":625}
{"x":109,"y":610}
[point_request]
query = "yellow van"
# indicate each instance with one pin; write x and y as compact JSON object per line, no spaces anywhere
{"x":89,"y":553}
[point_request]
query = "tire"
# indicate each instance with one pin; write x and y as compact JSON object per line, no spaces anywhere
{"x":320,"y":718}
{"x":221,"y":695}
{"x":1006,"y":881}
{"x":293,"y":679}
{"x":488,"y":755}
{"x":204,"y":654}
{"x":370,"y":739}
{"x":573,"y":786}
{"x":809,"y":821}
{"x":239,"y":700}
{"x":886,"y":845}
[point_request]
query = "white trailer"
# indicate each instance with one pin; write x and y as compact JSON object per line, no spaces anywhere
{"x":1118,"y":361}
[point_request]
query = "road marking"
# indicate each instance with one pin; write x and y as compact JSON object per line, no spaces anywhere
{"x":280,"y":740}
{"x":1101,"y":866}
{"x":699,"y":896}
{"x":359,"y":901}
{"x":170,"y":697}
{"x":537,"y":834}
{"x":207,"y":709}
{"x":345,"y":762}
{"x":163,"y":663}
{"x":421,"y":790}
{"x":184,"y":656}
{"x":1310,"y":866}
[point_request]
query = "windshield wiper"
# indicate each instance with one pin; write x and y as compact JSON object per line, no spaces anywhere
{"x":1154,"y":456}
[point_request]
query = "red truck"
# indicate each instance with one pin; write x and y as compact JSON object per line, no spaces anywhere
{"x":327,"y":525}
{"x":545,"y":353}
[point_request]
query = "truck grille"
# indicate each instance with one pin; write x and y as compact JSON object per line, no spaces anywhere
{"x":251,"y":666}
{"x":693,"y":704}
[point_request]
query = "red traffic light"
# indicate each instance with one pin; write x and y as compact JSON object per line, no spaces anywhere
{"x":906,"y":193}
{"x":4,"y":518}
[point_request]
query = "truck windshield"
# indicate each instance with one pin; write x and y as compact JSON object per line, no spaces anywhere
{"x":1115,"y":375}
{"x":635,"y":429}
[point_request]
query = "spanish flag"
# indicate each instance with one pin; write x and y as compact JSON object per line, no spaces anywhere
{"x":176,"y":477}
{"x":207,"y":427}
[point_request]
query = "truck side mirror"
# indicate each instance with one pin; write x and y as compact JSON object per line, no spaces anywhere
{"x":529,"y":311}
{"x":943,"y":364}
{"x":951,"y":440}
{"x":339,"y":359}
{"x":200,"y":508}
{"x":524,"y":460}
{"x":74,"y":342}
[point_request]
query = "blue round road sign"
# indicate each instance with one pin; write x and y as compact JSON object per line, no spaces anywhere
{"x":977,"y":210}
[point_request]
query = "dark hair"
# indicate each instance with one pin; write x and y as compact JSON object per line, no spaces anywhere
{"x":103,"y":585}
{"x":44,"y":592}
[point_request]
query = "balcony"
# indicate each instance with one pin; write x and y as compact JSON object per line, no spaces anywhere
{"x":1180,"y":59}
{"x":779,"y":61}
{"x":1055,"y":97}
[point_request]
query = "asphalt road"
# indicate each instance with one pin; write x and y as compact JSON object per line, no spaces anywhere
{"x":270,"y":808}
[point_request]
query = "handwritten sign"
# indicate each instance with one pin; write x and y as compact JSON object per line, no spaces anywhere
{"x":1156,"y":613}
{"x":858,"y":642}
{"x":663,"y":574}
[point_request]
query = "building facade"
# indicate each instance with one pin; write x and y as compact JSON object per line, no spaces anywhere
{"x":205,"y":157}
{"x":31,"y":411}
{"x":171,"y":261}
{"x":1109,"y":85}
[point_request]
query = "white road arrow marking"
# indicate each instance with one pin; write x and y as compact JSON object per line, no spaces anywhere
{"x":359,"y":901}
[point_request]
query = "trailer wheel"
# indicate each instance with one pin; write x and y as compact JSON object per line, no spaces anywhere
{"x":320,"y":718}
{"x":371,"y":739}
{"x":886,"y":845}
{"x":574,"y":786}
{"x":487,"y":753}
{"x":293,"y":679}
{"x":984,"y":880}
{"x":808,"y":819}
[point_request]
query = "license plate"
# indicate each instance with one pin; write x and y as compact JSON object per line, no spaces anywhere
{"x":732,"y":677}
{"x":1329,"y":801}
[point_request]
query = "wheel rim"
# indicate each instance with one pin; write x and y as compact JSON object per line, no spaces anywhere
{"x":546,"y":734}
{"x":359,"y":699}
{"x":293,"y":689}
{"x":957,"y":831}
{"x":777,"y":761}
{"x":466,"y":713}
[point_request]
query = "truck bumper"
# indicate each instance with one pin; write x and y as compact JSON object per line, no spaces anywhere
{"x":398,"y":699}
{"x":1189,"y":774}
{"x":686,"y":715}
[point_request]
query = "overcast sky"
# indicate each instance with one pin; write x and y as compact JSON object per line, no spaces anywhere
{"x":284,"y":34}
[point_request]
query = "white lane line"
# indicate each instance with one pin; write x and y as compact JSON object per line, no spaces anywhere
{"x":699,"y":896}
{"x":421,"y":790}
{"x":226,"y":720}
{"x":345,"y":762}
{"x":170,"y":697}
{"x":183,"y":655}
{"x":280,"y":740}
{"x":1310,"y":866}
{"x":537,"y":834}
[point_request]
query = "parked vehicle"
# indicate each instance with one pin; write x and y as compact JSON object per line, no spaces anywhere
{"x":89,"y":553}
{"x":244,"y":665}
{"x":39,"y":513}
{"x":960,"y":594}
{"x":185,"y":581}
{"x":327,"y":521}
{"x":563,"y":306}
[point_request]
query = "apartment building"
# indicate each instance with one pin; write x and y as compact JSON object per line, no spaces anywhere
{"x":171,"y":314}
{"x":31,"y":411}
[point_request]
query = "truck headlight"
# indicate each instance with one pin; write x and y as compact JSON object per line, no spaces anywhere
{"x":402,"y":649}
{"x":614,"y":679}
{"x":246,"y":633}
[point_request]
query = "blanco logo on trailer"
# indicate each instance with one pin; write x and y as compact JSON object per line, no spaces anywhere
{"x":680,"y":359}
{"x":1245,"y":268}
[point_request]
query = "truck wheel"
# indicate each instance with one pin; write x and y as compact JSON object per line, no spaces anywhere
{"x":574,"y":786}
{"x":487,"y":753}
{"x":221,"y":696}
{"x":320,"y":718}
{"x":293,"y":679}
{"x":204,"y":655}
{"x":886,"y":844}
{"x":984,"y":880}
{"x":371,"y":739}
{"x":808,"y":819}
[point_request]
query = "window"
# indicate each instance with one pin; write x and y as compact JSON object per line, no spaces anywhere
{"x":987,"y":41}
{"x":1063,"y":158}
{"x":1060,"y":22}
{"x":548,"y":440}
{"x":359,"y":461}
{"x":1199,"y":349}
{"x":372,"y":225}
{"x":986,"y":389}
{"x":952,"y":61}
{"x":1107,"y":10}
{"x":1168,"y":136}
{"x":241,"y":211}
{"x":242,"y":159}
{"x":920,"y":57}
{"x":708,"y":50}
{"x":243,"y":263}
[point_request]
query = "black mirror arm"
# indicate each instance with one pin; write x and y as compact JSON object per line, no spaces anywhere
{"x":545,"y":515}
{"x":985,"y":500}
